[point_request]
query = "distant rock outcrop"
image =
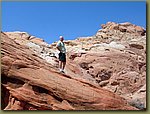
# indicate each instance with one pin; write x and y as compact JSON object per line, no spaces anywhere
{"x":124,"y":27}
{"x":106,"y":71}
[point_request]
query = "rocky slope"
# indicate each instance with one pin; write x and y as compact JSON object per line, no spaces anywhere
{"x":106,"y":71}
{"x":116,"y":59}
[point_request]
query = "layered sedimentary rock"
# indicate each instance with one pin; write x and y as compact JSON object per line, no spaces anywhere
{"x":106,"y":71}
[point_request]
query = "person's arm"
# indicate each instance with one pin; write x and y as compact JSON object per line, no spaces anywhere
{"x":57,"y":46}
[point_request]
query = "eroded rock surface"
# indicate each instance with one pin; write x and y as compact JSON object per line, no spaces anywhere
{"x":106,"y":71}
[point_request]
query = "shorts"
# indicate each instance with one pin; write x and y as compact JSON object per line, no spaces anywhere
{"x":62,"y":57}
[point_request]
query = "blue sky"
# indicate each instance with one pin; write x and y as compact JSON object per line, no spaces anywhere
{"x":48,"y":20}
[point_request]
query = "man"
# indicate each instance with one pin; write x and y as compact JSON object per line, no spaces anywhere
{"x":62,"y":55}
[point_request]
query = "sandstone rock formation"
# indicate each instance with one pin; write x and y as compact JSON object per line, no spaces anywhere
{"x":29,"y":83}
{"x":106,"y":71}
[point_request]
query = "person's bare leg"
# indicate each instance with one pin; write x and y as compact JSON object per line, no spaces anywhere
{"x":63,"y":66}
{"x":60,"y":65}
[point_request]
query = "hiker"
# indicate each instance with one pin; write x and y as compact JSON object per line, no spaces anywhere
{"x":62,"y":55}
